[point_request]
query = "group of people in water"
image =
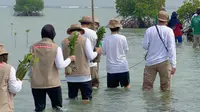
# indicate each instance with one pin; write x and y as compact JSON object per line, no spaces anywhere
{"x":160,"y":58}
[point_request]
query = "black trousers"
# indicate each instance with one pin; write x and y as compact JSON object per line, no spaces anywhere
{"x":39,"y":95}
{"x":85,"y":87}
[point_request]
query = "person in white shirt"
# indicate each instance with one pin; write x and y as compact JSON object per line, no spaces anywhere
{"x":9,"y":84}
{"x":115,"y":47}
{"x":80,"y":77}
{"x":86,"y":22}
{"x":161,"y":53}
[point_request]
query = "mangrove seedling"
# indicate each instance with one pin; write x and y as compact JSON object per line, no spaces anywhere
{"x":15,"y":34}
{"x":27,"y":31}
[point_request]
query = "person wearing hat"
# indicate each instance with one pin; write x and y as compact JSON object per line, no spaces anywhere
{"x":115,"y":48}
{"x":9,"y":85}
{"x":161,"y":54}
{"x":195,"y":26}
{"x":86,"y":23}
{"x":161,"y":9}
{"x":80,"y":78}
{"x":95,"y":70}
{"x":44,"y":75}
{"x":176,"y":25}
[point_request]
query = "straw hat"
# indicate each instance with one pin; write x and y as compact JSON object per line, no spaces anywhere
{"x":96,"y":20}
{"x":163,"y":16}
{"x":2,"y":50}
{"x":86,"y":19}
{"x":114,"y":23}
{"x":75,"y":27}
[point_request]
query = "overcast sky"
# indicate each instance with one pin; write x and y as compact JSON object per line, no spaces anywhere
{"x":108,"y":3}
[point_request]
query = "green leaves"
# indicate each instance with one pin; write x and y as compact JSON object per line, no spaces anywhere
{"x":139,"y":8}
{"x":72,"y":42}
{"x":28,"y":61}
{"x":100,"y":34}
{"x":28,"y":6}
{"x":187,"y":9}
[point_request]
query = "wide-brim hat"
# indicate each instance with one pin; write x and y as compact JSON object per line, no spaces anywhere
{"x":75,"y":27}
{"x":96,"y":20}
{"x":114,"y":23}
{"x":86,"y":19}
{"x":2,"y":50}
{"x":163,"y":16}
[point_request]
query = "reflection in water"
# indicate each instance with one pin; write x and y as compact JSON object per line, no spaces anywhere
{"x":157,"y":102}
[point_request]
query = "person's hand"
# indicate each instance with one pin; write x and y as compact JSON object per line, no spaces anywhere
{"x":73,"y":58}
{"x":173,"y":71}
{"x":98,"y":50}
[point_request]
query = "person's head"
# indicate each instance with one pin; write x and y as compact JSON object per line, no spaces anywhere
{"x":75,"y":27}
{"x":174,"y":15}
{"x":114,"y":25}
{"x":198,"y":11}
{"x":48,"y":31}
{"x":85,"y":21}
{"x":163,"y":18}
{"x":96,"y":24}
{"x":3,"y":54}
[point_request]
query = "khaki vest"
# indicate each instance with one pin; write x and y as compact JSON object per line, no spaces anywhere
{"x":44,"y":73}
{"x":80,"y":66}
{"x":6,"y":98}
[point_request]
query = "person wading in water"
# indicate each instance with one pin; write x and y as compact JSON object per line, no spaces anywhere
{"x":80,"y":78}
{"x":161,"y":54}
{"x":44,"y":75}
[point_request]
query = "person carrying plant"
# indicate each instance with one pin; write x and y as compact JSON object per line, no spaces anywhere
{"x":9,"y":85}
{"x":195,"y":25}
{"x":115,"y":48}
{"x":86,"y":23}
{"x":161,"y":54}
{"x":44,"y":75}
{"x":78,"y":73}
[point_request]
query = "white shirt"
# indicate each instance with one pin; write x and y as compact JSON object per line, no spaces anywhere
{"x":14,"y":85}
{"x":157,"y":52}
{"x":92,"y":36}
{"x":90,"y":56}
{"x":115,"y":47}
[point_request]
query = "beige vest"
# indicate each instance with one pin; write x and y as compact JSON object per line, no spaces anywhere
{"x":44,"y":73}
{"x":80,"y":66}
{"x":6,"y":98}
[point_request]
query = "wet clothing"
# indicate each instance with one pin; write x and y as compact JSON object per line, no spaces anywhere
{"x":196,"y":41}
{"x":85,"y":88}
{"x":114,"y":79}
{"x":8,"y":86}
{"x":150,"y":72}
{"x":39,"y":95}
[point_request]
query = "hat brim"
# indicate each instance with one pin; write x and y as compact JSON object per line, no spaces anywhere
{"x":4,"y":52}
{"x":85,"y":21}
{"x":111,"y":26}
{"x":163,"y":20}
{"x":69,"y":31}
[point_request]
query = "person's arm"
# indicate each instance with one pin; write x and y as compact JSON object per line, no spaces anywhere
{"x":192,"y":23}
{"x":145,"y":42}
{"x":59,"y":60}
{"x":89,"y":51}
{"x":125,"y":45}
{"x":104,"y":47}
{"x":171,"y":46}
{"x":14,"y":85}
